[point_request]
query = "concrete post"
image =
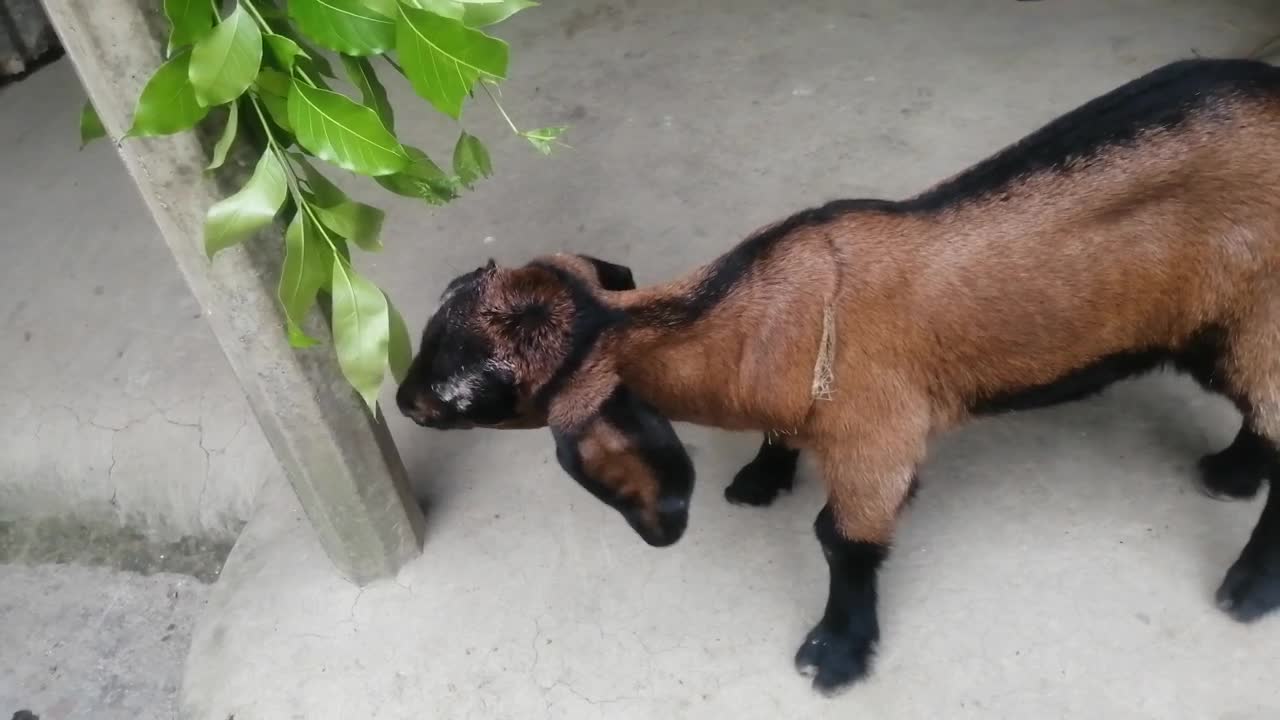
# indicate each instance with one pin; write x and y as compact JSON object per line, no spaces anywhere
{"x":340,"y":460}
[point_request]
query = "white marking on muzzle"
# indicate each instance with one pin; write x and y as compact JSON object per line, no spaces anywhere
{"x":459,"y":390}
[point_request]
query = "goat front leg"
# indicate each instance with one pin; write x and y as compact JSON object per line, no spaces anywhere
{"x":771,"y":472}
{"x":867,"y":489}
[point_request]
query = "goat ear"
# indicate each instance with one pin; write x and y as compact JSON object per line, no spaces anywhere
{"x":610,"y":440}
{"x":612,"y":276}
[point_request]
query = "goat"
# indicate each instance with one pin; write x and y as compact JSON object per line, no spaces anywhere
{"x":1139,"y":230}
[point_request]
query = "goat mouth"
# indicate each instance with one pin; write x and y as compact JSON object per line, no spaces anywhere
{"x":440,"y":424}
{"x":666,"y":533}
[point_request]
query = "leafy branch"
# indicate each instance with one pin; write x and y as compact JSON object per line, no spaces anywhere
{"x":259,"y":61}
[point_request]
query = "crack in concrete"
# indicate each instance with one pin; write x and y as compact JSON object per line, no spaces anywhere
{"x":356,"y":601}
{"x":590,"y":700}
{"x":44,"y":411}
{"x":537,"y":655}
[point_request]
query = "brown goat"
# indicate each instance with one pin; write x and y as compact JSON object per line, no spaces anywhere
{"x":1139,"y":230}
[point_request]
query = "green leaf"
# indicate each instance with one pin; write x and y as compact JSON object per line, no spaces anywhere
{"x":470,"y":160}
{"x":399,"y":346}
{"x":188,"y":20}
{"x":90,"y":124}
{"x":278,"y":109}
{"x":252,"y":208}
{"x":444,"y":8}
{"x":544,"y":138}
{"x":271,"y":91}
{"x":277,"y":104}
{"x":316,"y":63}
{"x":347,"y":26}
{"x":355,"y":221}
{"x":442,"y":58}
{"x":483,"y":14}
{"x":308,"y":263}
{"x":384,"y":7}
{"x":274,"y":82}
{"x":336,"y":129}
{"x":475,"y":14}
{"x":228,"y":137}
{"x":326,"y":194}
{"x":423,"y":180}
{"x":225,"y":62}
{"x":168,"y":103}
{"x":361,"y":330}
{"x":372,"y":93}
{"x":284,"y":50}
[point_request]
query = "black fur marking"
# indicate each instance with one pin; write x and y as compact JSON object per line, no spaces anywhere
{"x":447,"y":346}
{"x":760,"y":481}
{"x":1162,"y":99}
{"x":1199,"y":358}
{"x":1237,"y":472}
{"x":838,"y":650}
{"x":1251,"y":588}
{"x":653,"y":437}
{"x":729,"y":269}
{"x":611,"y":276}
{"x":461,"y":281}
{"x":590,"y":319}
{"x":657,"y":444}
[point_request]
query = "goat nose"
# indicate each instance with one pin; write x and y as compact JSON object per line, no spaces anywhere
{"x":412,"y":405}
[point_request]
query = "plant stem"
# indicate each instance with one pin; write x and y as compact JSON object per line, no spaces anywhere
{"x":262,"y":23}
{"x":291,"y":178}
{"x":253,"y":10}
{"x":498,"y":105}
{"x":305,"y":78}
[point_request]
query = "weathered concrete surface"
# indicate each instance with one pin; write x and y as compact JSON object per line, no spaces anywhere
{"x":1056,"y":565}
{"x":338,"y":458}
{"x":116,"y":405}
{"x":62,"y":541}
{"x":82,"y":643}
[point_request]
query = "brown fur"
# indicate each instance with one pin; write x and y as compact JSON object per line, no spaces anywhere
{"x":609,"y":457}
{"x":1138,"y":248}
{"x":1142,"y":228}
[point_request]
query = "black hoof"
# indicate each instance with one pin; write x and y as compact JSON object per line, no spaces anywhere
{"x":1224,"y":477}
{"x":834,"y":660}
{"x":1249,"y":592}
{"x":756,"y":485}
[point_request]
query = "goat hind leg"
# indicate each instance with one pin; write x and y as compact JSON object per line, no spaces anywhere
{"x":1251,"y":587}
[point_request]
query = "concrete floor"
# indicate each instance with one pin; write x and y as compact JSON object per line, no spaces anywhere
{"x":81,"y":643}
{"x":1056,"y":565}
